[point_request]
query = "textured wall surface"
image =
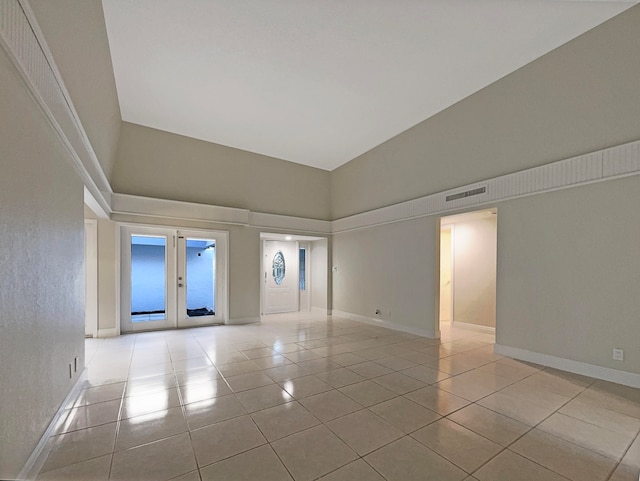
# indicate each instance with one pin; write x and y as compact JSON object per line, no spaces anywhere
{"x":42,"y":265}
{"x":391,"y":268}
{"x":319,"y":274}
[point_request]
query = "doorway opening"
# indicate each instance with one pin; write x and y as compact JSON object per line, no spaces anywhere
{"x":172,"y":278}
{"x":294,"y":273}
{"x":468,"y":260}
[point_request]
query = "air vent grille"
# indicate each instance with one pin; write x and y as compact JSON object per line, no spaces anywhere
{"x":468,"y":193}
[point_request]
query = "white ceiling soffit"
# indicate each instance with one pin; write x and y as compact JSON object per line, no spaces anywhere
{"x":321,"y":82}
{"x":467,"y":217}
{"x":288,"y":237}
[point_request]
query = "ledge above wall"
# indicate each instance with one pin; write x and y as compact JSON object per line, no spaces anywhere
{"x":171,"y":209}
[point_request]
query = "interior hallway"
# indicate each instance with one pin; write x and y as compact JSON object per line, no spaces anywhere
{"x":313,"y":397}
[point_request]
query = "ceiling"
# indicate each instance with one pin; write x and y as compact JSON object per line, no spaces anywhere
{"x":321,"y":82}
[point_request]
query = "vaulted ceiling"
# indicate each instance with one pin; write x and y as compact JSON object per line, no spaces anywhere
{"x":321,"y":82}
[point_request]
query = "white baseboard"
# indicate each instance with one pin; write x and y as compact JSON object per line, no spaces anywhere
{"x":576,"y":367}
{"x":40,"y":453}
{"x":111,"y":332}
{"x":242,"y":320}
{"x":382,"y":323}
{"x":473,"y":327}
{"x":321,"y":310}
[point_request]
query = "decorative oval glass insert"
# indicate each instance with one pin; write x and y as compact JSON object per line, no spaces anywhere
{"x":278,"y":267}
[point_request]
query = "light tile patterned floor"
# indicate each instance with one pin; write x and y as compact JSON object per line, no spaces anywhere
{"x":309,"y":397}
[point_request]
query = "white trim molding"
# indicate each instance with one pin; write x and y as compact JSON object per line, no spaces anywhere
{"x":173,"y":209}
{"x":110,"y":332}
{"x":134,"y":205}
{"x":236,"y":321}
{"x":473,"y":327}
{"x":40,"y":453}
{"x":418,"y":331}
{"x":286,"y":222}
{"x":607,"y":164}
{"x":94,"y":205}
{"x":320,"y":310}
{"x":576,"y":367}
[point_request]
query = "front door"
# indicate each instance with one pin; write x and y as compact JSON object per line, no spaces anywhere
{"x":280,"y":266}
{"x":171,"y":278}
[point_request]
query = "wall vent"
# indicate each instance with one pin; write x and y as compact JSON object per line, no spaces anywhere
{"x":468,"y":193}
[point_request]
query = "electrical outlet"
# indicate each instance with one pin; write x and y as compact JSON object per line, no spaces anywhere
{"x":75,"y":364}
{"x":70,"y":371}
{"x":618,"y":354}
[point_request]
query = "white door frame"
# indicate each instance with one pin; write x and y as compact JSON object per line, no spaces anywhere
{"x":451,"y":228}
{"x":91,"y":277}
{"x":124,"y":278}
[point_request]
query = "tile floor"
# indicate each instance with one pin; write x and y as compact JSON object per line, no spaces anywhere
{"x":304,"y":398}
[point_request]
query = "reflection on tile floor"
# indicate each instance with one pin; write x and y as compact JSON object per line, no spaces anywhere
{"x":308,"y":397}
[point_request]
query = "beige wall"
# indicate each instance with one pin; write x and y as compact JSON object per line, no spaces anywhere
{"x":474,"y":277}
{"x":319,"y":274}
{"x":108,"y":272}
{"x":75,"y":32}
{"x":579,"y":98}
{"x":569,"y":271}
{"x":391,"y":268}
{"x":244,"y":273}
{"x":159,"y":164}
{"x":41,"y":260}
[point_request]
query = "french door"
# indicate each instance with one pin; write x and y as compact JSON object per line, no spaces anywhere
{"x":172,"y":278}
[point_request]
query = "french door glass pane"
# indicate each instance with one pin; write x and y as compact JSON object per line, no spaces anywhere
{"x":302,"y":269}
{"x":148,"y":278}
{"x":201,"y":277}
